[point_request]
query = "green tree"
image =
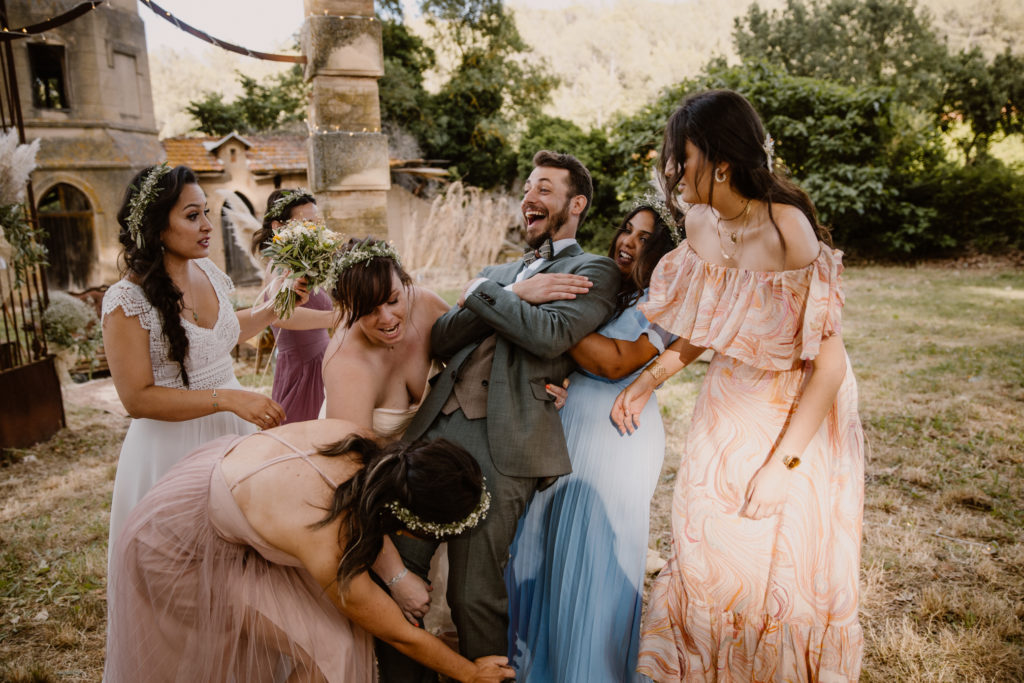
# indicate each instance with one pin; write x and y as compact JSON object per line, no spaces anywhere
{"x":489,"y":94}
{"x":275,"y":103}
{"x":851,"y":42}
{"x":988,"y":96}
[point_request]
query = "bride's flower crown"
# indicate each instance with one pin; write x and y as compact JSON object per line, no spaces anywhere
{"x":365,"y":252}
{"x":138,"y":204}
{"x":436,"y":529}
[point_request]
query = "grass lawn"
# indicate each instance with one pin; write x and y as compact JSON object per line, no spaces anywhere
{"x":939,"y":357}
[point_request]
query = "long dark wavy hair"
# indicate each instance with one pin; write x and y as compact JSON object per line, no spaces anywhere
{"x":145,"y":264}
{"x":437,"y":480}
{"x":659,"y":244}
{"x":724,"y":126}
{"x":366,"y":285}
{"x":262,"y":236}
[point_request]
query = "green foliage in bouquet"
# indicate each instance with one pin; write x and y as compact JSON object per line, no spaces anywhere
{"x":301,"y":249}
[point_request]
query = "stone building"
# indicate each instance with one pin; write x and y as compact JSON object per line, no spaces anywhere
{"x":239,"y":172}
{"x":85,"y":93}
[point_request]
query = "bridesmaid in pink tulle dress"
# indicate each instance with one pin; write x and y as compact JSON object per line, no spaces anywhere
{"x":766,"y":518}
{"x":248,"y":560}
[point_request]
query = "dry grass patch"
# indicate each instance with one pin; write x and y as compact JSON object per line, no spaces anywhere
{"x":939,"y":357}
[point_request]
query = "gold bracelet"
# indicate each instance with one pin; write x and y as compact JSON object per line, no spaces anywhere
{"x":790,"y":461}
{"x":658,"y":371}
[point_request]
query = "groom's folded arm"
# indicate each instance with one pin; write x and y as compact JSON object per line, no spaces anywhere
{"x":455,"y":330}
{"x":548,"y":330}
{"x":458,"y":328}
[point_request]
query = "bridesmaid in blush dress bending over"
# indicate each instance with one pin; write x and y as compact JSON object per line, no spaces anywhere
{"x":766,"y":517}
{"x":302,"y":338}
{"x":248,"y":561}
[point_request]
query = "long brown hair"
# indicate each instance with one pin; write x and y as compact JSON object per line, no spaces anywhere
{"x":145,"y":261}
{"x":659,"y":244}
{"x":724,"y":126}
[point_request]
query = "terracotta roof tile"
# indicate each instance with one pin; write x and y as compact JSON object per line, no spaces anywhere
{"x":190,"y":152}
{"x":271,"y":154}
{"x":268,"y":154}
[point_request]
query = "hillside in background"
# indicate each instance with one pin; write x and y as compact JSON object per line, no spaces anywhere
{"x":612,"y":56}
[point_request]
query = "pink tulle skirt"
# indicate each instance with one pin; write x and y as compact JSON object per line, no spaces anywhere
{"x":195,"y":595}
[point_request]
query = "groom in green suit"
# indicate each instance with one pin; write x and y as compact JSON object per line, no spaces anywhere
{"x":503,"y":342}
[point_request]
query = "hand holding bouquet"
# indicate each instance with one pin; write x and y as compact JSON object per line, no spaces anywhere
{"x":301,"y":249}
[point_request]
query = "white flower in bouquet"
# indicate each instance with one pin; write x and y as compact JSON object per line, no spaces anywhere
{"x":301,"y":249}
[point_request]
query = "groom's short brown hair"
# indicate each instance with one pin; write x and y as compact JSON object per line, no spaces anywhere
{"x":579,"y":177}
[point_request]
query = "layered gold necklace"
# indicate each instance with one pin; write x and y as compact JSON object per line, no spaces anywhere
{"x":733,"y":236}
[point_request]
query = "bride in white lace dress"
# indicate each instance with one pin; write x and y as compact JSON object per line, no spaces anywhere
{"x":168,"y":331}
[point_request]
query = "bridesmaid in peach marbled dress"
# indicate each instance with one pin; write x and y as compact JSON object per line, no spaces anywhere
{"x":766,"y":516}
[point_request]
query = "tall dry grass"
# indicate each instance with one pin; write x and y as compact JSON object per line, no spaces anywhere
{"x":467,"y":229}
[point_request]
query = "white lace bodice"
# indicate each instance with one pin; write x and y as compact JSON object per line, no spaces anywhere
{"x":208,"y":361}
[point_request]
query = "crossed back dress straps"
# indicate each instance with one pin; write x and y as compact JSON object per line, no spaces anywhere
{"x":296,"y":453}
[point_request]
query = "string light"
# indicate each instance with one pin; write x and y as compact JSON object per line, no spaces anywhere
{"x":224,"y":45}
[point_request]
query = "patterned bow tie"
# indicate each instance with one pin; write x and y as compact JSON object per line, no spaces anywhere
{"x":545,"y":251}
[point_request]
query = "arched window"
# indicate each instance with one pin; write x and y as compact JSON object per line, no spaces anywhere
{"x":66,"y":216}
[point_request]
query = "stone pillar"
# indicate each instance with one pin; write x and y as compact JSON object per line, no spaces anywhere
{"x":348,"y":155}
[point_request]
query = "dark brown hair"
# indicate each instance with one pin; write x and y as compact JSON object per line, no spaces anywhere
{"x":366,"y":285}
{"x":724,"y":126}
{"x":579,"y":177}
{"x":438,"y":481}
{"x":146,"y":263}
{"x":262,"y":236}
{"x":659,"y":244}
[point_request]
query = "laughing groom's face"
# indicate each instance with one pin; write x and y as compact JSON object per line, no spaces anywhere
{"x":545,"y":205}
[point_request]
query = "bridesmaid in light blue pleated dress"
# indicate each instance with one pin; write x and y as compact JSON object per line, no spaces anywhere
{"x":575,"y":580}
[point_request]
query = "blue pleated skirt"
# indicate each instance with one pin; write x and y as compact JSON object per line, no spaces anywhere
{"x":576,"y":575}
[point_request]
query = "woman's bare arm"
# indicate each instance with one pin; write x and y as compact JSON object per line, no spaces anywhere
{"x":127,"y":347}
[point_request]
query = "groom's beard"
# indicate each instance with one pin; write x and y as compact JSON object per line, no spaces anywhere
{"x":555,"y":223}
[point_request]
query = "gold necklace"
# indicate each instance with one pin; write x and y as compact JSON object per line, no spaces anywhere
{"x":184,"y":307}
{"x":735,"y":234}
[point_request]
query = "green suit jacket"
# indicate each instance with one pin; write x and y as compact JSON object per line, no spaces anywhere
{"x":524,"y":431}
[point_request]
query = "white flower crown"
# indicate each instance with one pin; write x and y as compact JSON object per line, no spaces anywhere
{"x":365,"y":252}
{"x":436,"y":529}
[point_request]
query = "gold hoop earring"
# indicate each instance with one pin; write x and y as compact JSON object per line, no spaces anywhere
{"x":720,"y":176}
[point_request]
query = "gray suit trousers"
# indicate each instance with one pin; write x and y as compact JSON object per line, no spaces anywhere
{"x":477,"y":559}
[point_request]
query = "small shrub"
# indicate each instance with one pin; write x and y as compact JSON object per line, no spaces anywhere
{"x":72,"y":324}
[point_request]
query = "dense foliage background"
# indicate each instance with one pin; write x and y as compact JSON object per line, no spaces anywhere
{"x":886,"y":112}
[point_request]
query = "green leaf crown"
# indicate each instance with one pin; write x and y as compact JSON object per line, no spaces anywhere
{"x":138,"y":204}
{"x":277,"y":209}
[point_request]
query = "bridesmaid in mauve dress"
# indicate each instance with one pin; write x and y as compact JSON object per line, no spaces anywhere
{"x":302,"y":338}
{"x":766,"y":517}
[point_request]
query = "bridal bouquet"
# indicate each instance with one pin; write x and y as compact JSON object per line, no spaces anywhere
{"x":300,"y":249}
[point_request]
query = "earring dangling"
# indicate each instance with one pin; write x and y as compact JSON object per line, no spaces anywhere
{"x":720,"y":176}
